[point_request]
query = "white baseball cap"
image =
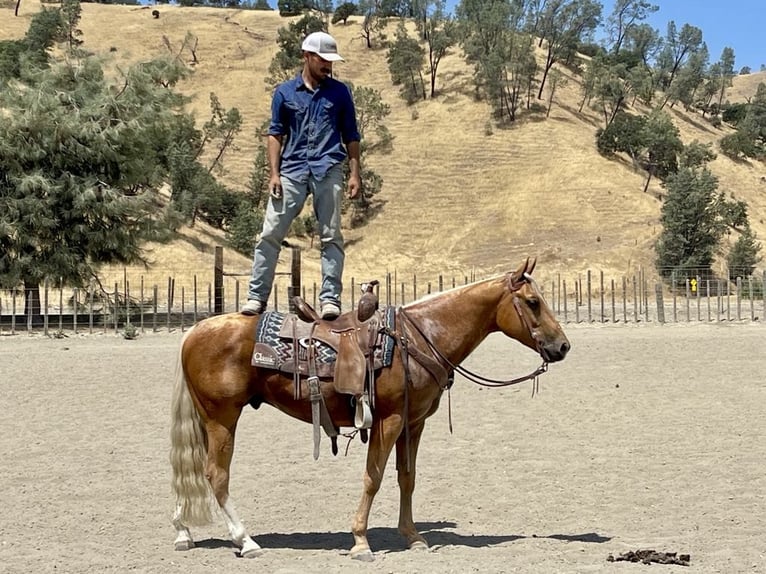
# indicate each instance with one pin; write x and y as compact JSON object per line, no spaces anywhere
{"x":323,"y":45}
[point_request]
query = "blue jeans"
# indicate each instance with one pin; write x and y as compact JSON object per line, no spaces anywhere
{"x":280,"y":213}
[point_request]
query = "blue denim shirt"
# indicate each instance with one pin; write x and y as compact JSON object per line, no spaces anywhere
{"x":315,"y":126}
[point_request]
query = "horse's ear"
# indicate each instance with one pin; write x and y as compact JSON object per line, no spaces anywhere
{"x":530,"y":266}
{"x":517,"y":277}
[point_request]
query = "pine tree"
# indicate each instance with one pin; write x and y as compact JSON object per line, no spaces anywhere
{"x":81,"y":162}
{"x":692,"y":223}
{"x":744,"y":255}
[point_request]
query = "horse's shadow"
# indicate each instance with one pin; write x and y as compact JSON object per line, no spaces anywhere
{"x":389,"y":540}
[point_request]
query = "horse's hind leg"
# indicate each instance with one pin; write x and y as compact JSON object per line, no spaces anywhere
{"x":220,"y":452}
{"x":183,"y":539}
{"x":406,"y":477}
{"x":382,"y":440}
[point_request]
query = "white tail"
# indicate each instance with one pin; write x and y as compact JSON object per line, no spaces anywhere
{"x":188,"y":453}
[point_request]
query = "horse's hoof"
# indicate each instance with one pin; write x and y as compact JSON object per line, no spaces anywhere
{"x":419,"y":545}
{"x":252,"y":553}
{"x":363,"y":555}
{"x":184,"y":545}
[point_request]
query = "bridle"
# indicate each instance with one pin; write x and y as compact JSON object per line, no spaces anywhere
{"x":513,"y":287}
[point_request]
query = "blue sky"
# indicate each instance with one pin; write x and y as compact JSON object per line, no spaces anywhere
{"x":738,"y":24}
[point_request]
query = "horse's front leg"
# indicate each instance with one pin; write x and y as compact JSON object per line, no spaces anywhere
{"x":220,"y":452}
{"x":382,"y":438}
{"x":406,"y":476}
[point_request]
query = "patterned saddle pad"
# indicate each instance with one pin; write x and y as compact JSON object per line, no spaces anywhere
{"x":282,"y":355}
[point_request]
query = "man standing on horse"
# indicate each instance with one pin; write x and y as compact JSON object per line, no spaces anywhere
{"x":312,"y":131}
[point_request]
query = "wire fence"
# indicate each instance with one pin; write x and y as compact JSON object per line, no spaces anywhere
{"x":136,"y":301}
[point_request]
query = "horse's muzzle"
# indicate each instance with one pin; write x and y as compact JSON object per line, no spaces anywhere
{"x":556,"y":351}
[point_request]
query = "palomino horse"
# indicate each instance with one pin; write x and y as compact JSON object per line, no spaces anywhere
{"x":215,"y":381}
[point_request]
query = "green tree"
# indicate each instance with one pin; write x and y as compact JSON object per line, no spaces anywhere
{"x":744,"y":254}
{"x":749,"y":141}
{"x":371,"y":112}
{"x":678,"y":47}
{"x":440,"y":33}
{"x":374,"y":21}
{"x":726,"y":73}
{"x":626,"y":134}
{"x":625,"y":16}
{"x":289,"y":8}
{"x":663,"y":146}
{"x":689,"y":79}
{"x":70,"y":13}
{"x":248,"y":220}
{"x":82,"y":160}
{"x":405,"y":63}
{"x":691,"y":223}
{"x":343,"y":12}
{"x":565,"y":24}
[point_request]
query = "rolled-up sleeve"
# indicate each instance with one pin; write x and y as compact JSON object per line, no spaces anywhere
{"x":348,"y":128}
{"x":277,"y":125}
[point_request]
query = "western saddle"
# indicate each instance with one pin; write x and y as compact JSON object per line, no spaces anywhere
{"x":353,"y":336}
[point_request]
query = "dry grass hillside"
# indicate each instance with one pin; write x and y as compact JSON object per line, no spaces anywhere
{"x":456,"y":199}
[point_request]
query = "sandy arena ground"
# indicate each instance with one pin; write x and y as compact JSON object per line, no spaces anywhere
{"x":644,"y":437}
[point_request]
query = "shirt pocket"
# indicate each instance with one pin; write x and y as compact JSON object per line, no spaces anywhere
{"x":328,"y":116}
{"x":295,"y":114}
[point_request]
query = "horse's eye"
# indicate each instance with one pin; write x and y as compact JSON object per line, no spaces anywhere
{"x":534,"y":303}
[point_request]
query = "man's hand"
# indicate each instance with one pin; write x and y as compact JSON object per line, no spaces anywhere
{"x":275,"y":187}
{"x":354,"y":187}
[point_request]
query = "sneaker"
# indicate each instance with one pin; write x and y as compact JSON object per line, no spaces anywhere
{"x":330,"y":311}
{"x":253,"y":307}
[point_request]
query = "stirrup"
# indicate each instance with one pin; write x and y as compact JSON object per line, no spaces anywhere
{"x":362,"y":412}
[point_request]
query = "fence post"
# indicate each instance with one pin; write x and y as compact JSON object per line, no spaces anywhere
{"x":155,"y":295}
{"x":75,"y":293}
{"x":90,"y":308}
{"x":697,"y":290}
{"x":141,"y":304}
{"x":673,"y":288}
{"x":688,"y":303}
{"x":636,"y":318}
{"x":61,"y":304}
{"x":718,"y":302}
{"x":660,"y":303}
{"x":116,"y":308}
{"x":13,"y":309}
{"x":624,"y":299}
{"x":194,"y":317}
{"x":603,"y":316}
{"x":45,"y":315}
{"x":707,"y":295}
{"x":750,"y":292}
{"x":739,"y":298}
{"x":577,"y":298}
{"x":590,"y":295}
{"x":295,"y":279}
{"x":170,"y":302}
{"x":614,"y":316}
{"x":728,"y":299}
{"x":564,"y":286}
{"x":218,"y":281}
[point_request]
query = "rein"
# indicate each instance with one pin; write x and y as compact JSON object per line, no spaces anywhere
{"x":480,"y":379}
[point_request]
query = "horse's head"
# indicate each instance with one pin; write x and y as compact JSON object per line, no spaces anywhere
{"x":524,"y":315}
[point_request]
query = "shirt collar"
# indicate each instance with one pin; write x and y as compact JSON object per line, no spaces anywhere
{"x":300,"y":85}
